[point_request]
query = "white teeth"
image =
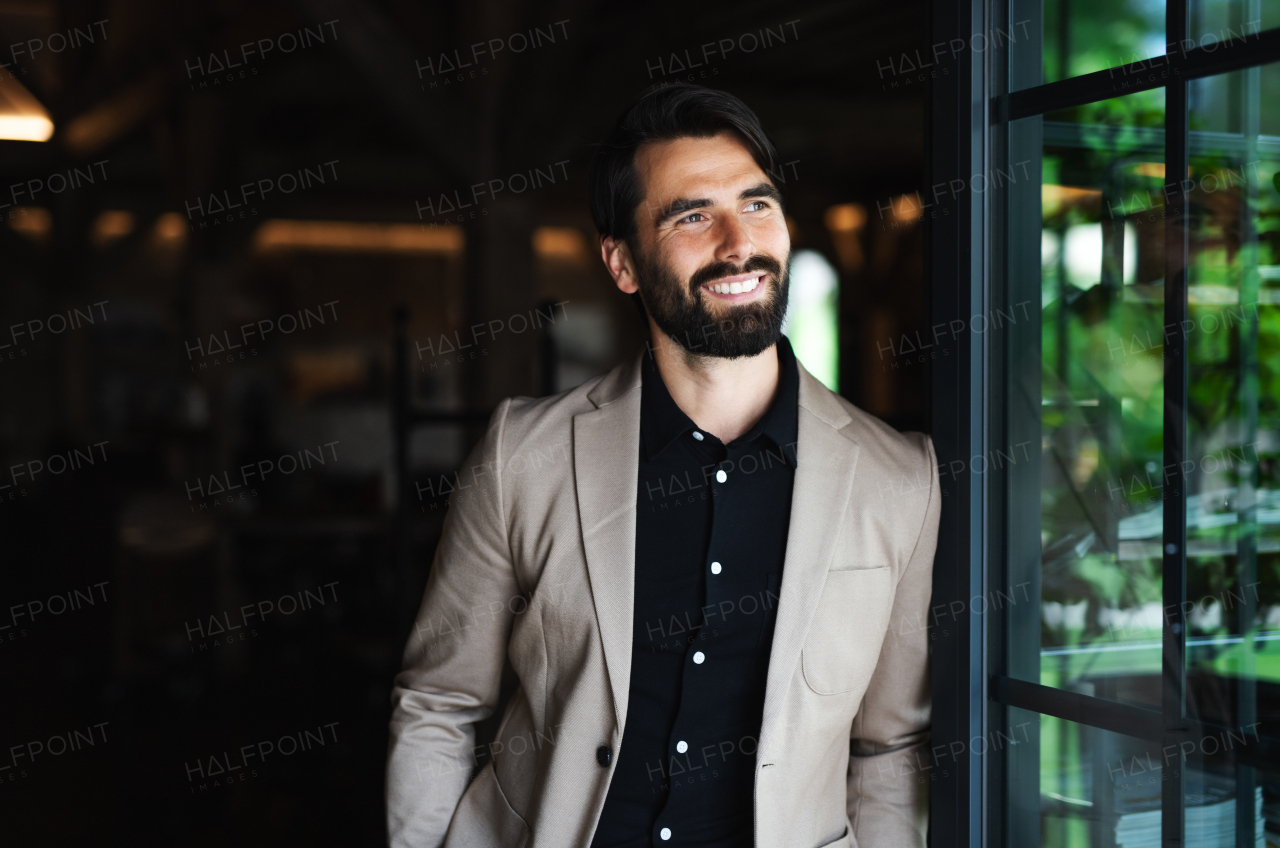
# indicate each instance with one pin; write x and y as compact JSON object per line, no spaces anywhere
{"x":736,"y":288}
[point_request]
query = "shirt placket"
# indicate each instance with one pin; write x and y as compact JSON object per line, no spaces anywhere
{"x":687,"y":749}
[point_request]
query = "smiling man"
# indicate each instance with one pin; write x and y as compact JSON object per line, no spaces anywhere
{"x":709,"y":573}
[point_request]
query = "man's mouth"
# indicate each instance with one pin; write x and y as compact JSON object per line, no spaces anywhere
{"x":742,"y":284}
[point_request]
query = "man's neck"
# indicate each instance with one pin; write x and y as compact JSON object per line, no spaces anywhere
{"x":723,"y":397}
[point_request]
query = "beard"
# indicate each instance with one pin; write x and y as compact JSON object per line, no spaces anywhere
{"x":724,"y":330}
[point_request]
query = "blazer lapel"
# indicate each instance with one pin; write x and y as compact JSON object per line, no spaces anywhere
{"x":818,"y":501}
{"x":606,"y":456}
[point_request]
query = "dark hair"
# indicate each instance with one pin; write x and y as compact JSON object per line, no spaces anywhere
{"x":674,"y":111}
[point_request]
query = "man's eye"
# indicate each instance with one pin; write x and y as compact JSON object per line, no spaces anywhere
{"x":690,"y":219}
{"x":757,"y":205}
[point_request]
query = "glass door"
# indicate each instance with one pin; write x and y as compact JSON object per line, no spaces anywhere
{"x":1134,"y":661}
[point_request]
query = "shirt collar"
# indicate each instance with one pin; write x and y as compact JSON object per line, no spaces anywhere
{"x":662,"y":421}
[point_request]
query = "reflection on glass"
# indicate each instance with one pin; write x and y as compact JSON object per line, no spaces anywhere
{"x":1083,"y":36}
{"x":1227,"y":21}
{"x":1233,"y":437}
{"x":1095,"y":789}
{"x":1100,"y":476}
{"x":1101,"y":395}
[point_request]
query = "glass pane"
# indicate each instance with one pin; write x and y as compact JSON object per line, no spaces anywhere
{"x":1083,"y":36}
{"x":1231,"y":21}
{"x":1233,"y":437}
{"x":1093,"y":272}
{"x":1096,"y":789}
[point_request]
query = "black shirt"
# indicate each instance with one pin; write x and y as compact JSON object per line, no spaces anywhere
{"x":709,"y":554}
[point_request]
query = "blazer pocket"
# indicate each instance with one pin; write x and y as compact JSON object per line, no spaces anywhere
{"x":857,"y":566}
{"x":843,"y":643}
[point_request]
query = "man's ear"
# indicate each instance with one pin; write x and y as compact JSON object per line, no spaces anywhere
{"x":617,"y":258}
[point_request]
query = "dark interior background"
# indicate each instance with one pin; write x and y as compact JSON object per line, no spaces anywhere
{"x":364,"y":112}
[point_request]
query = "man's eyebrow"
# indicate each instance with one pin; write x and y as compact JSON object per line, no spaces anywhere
{"x":681,"y":205}
{"x":762,"y":190}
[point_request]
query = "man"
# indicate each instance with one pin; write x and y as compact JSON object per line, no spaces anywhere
{"x":708,"y":571}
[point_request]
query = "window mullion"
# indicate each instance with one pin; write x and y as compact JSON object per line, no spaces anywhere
{"x":1176,"y":355}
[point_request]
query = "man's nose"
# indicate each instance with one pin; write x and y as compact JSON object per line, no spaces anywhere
{"x":735,"y":244}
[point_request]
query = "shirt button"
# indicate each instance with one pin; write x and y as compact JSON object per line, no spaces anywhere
{"x":697,"y":435}
{"x":721,"y":476}
{"x":603,"y":755}
{"x":698,"y":657}
{"x":715,"y":568}
{"x":682,"y":746}
{"x":665,"y":833}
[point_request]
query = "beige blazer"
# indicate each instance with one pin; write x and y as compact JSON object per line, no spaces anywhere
{"x":537,"y":564}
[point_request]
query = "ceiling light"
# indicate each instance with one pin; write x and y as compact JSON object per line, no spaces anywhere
{"x":34,"y":223}
{"x":22,"y":117}
{"x":845,"y":217}
{"x":110,"y":226}
{"x":170,"y":228}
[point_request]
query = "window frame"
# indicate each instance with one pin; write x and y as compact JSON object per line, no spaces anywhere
{"x":969,"y":120}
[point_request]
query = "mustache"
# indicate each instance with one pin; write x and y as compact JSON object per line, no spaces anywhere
{"x":716,"y":270}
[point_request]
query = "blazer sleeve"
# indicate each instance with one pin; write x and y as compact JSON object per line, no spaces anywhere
{"x":454,"y":657}
{"x":888,"y":795}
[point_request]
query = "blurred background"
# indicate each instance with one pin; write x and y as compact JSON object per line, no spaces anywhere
{"x":243,"y":252}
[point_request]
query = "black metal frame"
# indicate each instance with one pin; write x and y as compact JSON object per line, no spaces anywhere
{"x":956,"y":260}
{"x":1258,"y":49}
{"x":970,"y":115}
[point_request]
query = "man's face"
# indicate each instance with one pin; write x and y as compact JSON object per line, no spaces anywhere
{"x":711,"y":250}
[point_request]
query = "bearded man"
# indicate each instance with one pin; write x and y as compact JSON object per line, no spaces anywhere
{"x":709,"y":572}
